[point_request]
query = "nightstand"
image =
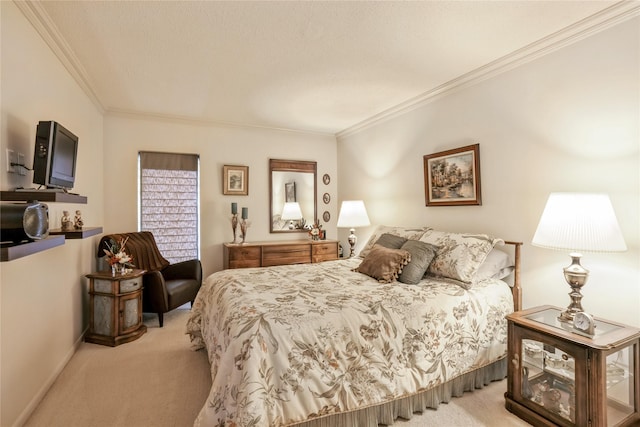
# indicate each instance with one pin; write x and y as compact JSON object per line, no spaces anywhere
{"x":115,"y":308}
{"x":559,"y":377}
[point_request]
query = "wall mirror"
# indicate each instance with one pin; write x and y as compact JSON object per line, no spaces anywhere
{"x":292,"y":184}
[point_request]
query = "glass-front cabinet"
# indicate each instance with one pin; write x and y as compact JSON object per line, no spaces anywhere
{"x":558,"y":376}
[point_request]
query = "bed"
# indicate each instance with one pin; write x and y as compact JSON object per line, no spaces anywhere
{"x":358,"y":341}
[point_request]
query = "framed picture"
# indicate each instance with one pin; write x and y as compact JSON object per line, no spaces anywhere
{"x":235,"y":180}
{"x":452,"y":177}
{"x":290,"y":192}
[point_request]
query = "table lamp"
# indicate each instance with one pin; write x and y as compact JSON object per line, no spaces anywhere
{"x":291,"y":212}
{"x":353,"y":214}
{"x":578,"y":222}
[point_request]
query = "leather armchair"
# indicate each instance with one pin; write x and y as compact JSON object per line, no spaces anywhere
{"x":165,"y":286}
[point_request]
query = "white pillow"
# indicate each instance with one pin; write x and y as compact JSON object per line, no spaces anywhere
{"x":497,"y":265}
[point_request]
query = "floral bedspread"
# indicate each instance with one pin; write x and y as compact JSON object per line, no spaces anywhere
{"x":290,"y":343}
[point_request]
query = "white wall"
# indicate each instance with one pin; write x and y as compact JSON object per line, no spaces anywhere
{"x":43,"y":301}
{"x":568,"y":121}
{"x":43,"y":296}
{"x":217,"y":146}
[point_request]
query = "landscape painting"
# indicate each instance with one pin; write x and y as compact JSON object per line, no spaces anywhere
{"x":452,"y":177}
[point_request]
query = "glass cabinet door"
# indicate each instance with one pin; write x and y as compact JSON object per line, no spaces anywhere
{"x":620,"y":385}
{"x":548,"y":379}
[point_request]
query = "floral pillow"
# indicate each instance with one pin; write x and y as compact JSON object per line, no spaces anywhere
{"x":409,"y":233}
{"x":459,"y":256}
{"x":384,"y":264}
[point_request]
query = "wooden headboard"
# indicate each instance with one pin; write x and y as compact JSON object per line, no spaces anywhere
{"x":516,"y":290}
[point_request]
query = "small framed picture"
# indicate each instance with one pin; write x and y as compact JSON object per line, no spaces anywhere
{"x":290,"y":192}
{"x":235,"y":180}
{"x":326,"y":198}
{"x":452,"y":178}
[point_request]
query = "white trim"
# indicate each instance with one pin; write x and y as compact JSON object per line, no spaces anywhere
{"x":600,"y":21}
{"x":139,"y":115}
{"x":39,"y":396}
{"x":42,"y":23}
{"x":613,"y":15}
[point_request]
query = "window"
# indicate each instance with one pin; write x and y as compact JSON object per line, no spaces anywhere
{"x":169,"y":202}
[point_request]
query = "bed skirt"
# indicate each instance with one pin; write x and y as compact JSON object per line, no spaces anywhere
{"x":405,"y":407}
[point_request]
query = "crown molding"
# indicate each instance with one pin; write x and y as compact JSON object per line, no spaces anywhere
{"x":172,"y":118}
{"x":600,"y":21}
{"x":593,"y":24}
{"x":46,"y":28}
{"x":38,"y":17}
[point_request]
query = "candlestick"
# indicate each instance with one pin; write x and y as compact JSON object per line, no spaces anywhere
{"x":245,"y":213}
{"x":244,"y":224}
{"x":234,"y":208}
{"x":234,"y":225}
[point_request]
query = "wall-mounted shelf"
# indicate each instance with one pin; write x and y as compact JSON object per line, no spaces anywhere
{"x":77,"y":234}
{"x":41,"y":196}
{"x":11,"y":251}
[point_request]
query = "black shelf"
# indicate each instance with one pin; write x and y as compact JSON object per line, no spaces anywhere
{"x":41,"y":196}
{"x":11,"y":251}
{"x":77,"y":234}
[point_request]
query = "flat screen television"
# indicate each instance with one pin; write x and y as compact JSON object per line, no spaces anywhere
{"x":55,"y":156}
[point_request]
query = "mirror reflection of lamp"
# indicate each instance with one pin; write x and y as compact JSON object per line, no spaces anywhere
{"x":291,"y":212}
{"x":353,"y":214}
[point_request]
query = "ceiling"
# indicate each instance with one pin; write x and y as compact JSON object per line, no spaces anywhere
{"x":313,"y":66}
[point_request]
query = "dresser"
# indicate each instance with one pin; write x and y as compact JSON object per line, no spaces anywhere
{"x":115,"y":308}
{"x":265,"y":254}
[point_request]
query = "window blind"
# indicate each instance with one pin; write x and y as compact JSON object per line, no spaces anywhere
{"x":169,"y":207}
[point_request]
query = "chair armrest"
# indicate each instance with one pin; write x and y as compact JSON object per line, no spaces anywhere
{"x":191,"y":269}
{"x":155,"y":292}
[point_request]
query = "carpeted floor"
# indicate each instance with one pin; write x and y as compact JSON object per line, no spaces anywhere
{"x":158,"y":381}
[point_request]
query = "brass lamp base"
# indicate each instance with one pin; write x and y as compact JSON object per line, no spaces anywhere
{"x":576,"y":276}
{"x":352,"y":239}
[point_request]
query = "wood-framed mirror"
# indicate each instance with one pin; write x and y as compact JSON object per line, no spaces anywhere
{"x":293,"y":195}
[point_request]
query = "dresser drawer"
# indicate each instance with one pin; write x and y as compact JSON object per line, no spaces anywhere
{"x":286,"y":254}
{"x":267,"y":254}
{"x":244,"y":253}
{"x":130,"y":285}
{"x":324,"y":251}
{"x":117,"y":285}
{"x":246,"y":263}
{"x":243,"y":256}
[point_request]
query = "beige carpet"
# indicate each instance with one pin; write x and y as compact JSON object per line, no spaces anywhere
{"x":157,"y":381}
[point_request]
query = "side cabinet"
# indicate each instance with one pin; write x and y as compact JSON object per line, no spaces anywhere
{"x":115,"y":308}
{"x":558,"y":377}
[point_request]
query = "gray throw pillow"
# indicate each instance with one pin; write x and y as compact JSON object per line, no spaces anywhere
{"x":391,"y":241}
{"x":421,"y":256}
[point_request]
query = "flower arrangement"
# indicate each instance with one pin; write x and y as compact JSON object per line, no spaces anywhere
{"x":316,"y":232}
{"x":117,"y":257}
